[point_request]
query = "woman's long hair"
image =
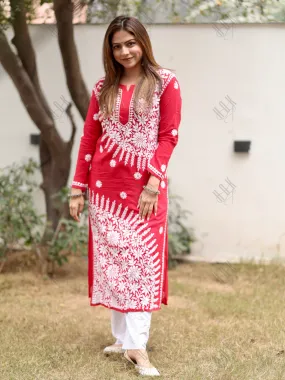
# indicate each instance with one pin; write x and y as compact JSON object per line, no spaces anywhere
{"x":114,"y":71}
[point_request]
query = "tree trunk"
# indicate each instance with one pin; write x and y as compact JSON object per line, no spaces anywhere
{"x":54,"y":152}
{"x":64,"y":17}
{"x":55,"y":171}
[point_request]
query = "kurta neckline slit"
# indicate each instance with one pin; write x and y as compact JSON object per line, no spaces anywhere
{"x":125,"y":86}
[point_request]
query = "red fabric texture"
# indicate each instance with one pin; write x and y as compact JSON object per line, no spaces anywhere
{"x":128,"y":257}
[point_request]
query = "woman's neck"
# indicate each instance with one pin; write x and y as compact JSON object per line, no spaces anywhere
{"x":132,"y":75}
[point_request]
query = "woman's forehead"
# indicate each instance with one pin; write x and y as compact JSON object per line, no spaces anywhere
{"x":121,"y":37}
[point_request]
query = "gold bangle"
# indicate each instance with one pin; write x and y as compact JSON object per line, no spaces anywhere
{"x":157,"y":192}
{"x":75,"y":195}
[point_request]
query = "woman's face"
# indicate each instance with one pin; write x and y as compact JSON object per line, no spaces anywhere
{"x":126,"y":49}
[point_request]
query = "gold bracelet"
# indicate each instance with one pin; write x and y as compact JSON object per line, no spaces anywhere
{"x":75,"y":195}
{"x":157,"y":192}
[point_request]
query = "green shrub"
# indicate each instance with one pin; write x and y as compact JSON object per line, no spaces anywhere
{"x":22,"y":227}
{"x":19,"y":222}
{"x":180,"y":236}
{"x":70,"y":236}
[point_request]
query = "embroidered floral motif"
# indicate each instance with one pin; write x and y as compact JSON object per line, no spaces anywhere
{"x":162,"y":184}
{"x":88,"y":157}
{"x":174,"y":132}
{"x":113,"y":163}
{"x":156,"y":100}
{"x":161,"y":230}
{"x":113,"y":237}
{"x":152,"y":135}
{"x":123,"y":195}
{"x":176,"y":85}
{"x":167,"y":76}
{"x":137,"y":175}
{"x":139,"y":139}
{"x":101,"y":149}
{"x":98,"y":183}
{"x":127,"y":267}
{"x":163,"y":167}
{"x":96,"y":116}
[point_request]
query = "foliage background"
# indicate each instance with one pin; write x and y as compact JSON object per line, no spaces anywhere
{"x":162,"y":11}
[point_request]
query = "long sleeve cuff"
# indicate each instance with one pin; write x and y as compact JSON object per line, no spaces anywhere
{"x":79,"y":185}
{"x":154,"y":171}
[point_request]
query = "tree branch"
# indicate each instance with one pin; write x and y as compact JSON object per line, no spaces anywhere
{"x":64,"y":16}
{"x":29,"y":96}
{"x":73,"y":126}
{"x":26,"y":53}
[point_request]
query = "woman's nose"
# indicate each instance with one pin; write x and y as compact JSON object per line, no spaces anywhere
{"x":125,"y":50}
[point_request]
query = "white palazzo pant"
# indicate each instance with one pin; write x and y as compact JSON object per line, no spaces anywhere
{"x":131,"y":329}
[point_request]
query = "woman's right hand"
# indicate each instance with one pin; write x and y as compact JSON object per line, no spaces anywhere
{"x":76,"y":205}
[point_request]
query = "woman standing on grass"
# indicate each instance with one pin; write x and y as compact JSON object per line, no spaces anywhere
{"x":129,"y":134}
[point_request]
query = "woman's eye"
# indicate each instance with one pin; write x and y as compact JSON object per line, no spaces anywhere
{"x":131,"y":43}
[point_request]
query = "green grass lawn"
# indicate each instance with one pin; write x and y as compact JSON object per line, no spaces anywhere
{"x":220,"y":324}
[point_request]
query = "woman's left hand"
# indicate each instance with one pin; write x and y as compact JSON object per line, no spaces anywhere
{"x":147,"y":203}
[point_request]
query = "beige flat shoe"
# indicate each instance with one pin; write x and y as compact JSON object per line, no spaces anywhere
{"x":144,"y":371}
{"x":113,"y":350}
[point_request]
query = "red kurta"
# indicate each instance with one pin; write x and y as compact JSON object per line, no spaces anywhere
{"x":128,"y":257}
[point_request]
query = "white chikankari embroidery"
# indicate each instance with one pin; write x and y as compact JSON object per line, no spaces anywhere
{"x":75,"y":183}
{"x":167,"y":76}
{"x":140,"y":140}
{"x":162,"y":184}
{"x":127,"y":268}
{"x":98,"y":183}
{"x":161,"y":230}
{"x":135,"y":142}
{"x":101,"y":149}
{"x":88,"y":157}
{"x":113,"y":237}
{"x":137,"y":175}
{"x":113,"y":163}
{"x":123,"y":195}
{"x":153,"y":169}
{"x":96,"y":116}
{"x":163,"y":167}
{"x":152,"y":135}
{"x":176,"y":85}
{"x":174,"y":132}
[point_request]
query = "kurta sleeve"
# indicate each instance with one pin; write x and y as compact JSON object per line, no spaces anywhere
{"x":91,"y":132}
{"x":170,"y":116}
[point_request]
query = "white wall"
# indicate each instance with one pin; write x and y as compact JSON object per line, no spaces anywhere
{"x":247,"y":65}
